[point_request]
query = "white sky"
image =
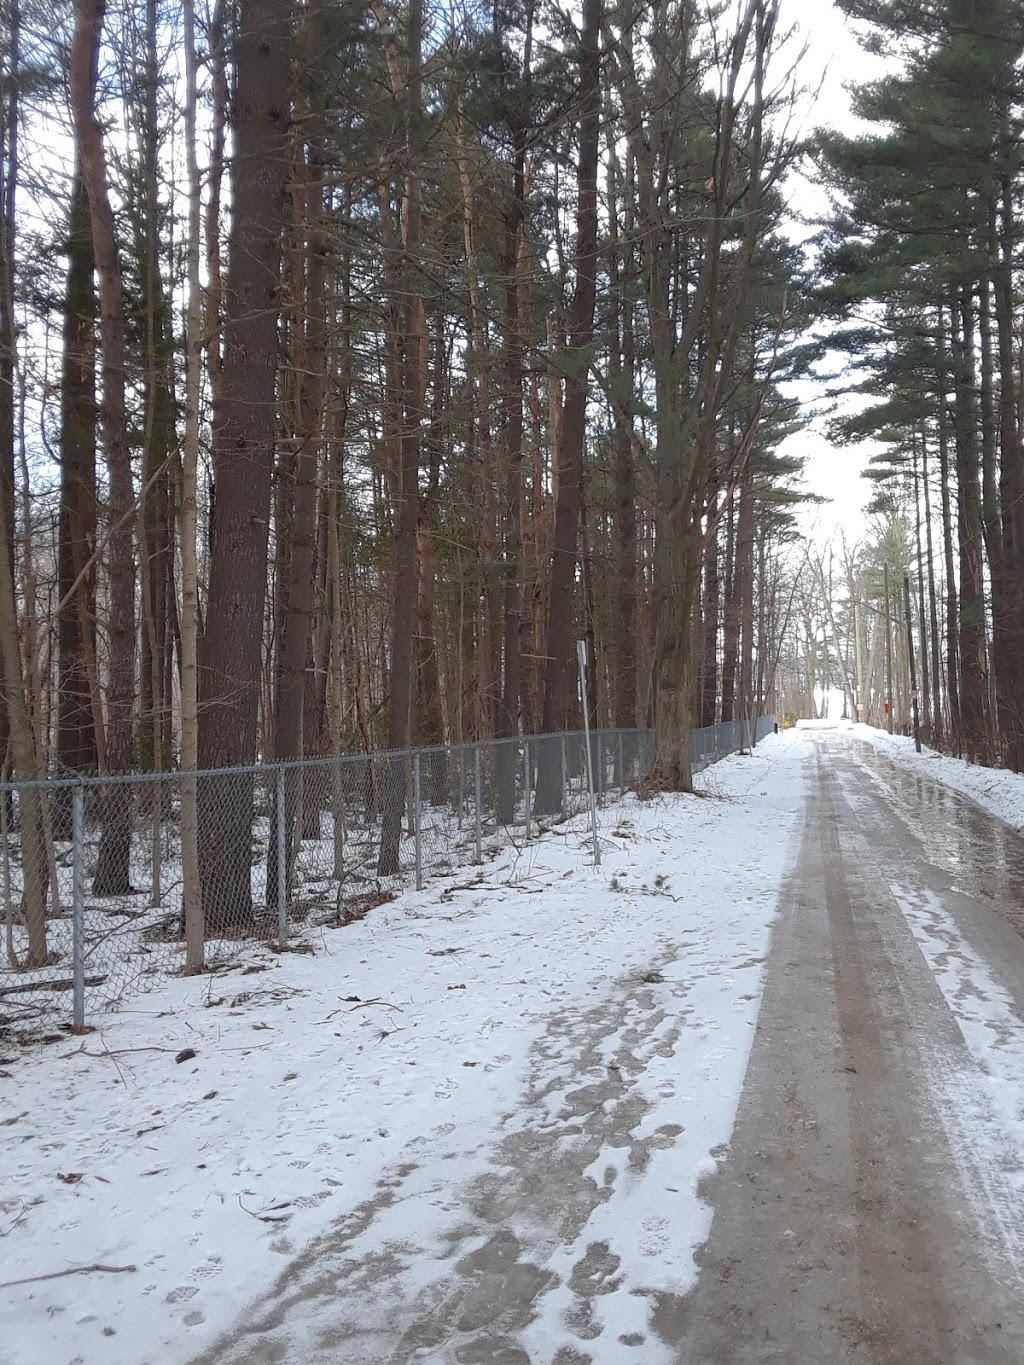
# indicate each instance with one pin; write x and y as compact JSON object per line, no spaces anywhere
{"x":830,"y":472}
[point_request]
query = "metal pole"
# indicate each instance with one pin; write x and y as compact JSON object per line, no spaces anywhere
{"x":416,"y":807}
{"x":527,"y":794}
{"x":477,"y":802}
{"x":565,"y":775}
{"x":282,"y":862}
{"x":913,"y":665}
{"x":581,"y":658}
{"x":78,"y":907}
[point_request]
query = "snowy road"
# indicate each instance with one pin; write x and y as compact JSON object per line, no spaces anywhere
{"x":872,"y":1207}
{"x":490,"y":1124}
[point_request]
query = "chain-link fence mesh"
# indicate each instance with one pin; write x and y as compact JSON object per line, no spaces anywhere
{"x":91,"y":875}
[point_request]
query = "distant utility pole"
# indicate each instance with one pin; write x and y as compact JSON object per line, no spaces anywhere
{"x":913,"y":669}
{"x":888,"y":653}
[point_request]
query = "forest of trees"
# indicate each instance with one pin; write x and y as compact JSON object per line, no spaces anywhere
{"x":357,"y":359}
{"x":921,"y":277}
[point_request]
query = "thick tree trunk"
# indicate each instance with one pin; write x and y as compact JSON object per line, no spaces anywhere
{"x":933,"y":608}
{"x":952,"y":595}
{"x":213,"y":320}
{"x":710,"y":612}
{"x":244,"y":428}
{"x":574,"y":415}
{"x":509,"y":712}
{"x":159,"y":438}
{"x":429,"y":728}
{"x":999,"y":711}
{"x":8,"y":186}
{"x":407,"y":495}
{"x":34,"y":866}
{"x":730,"y":614}
{"x":677,"y":557}
{"x":745,"y":565}
{"x":16,"y":734}
{"x":113,"y":873}
{"x":973,"y":709}
{"x":622,"y":374}
{"x":309,"y":355}
{"x":1011,"y":474}
{"x":925,"y":662}
{"x":191,"y":891}
{"x":77,"y":747}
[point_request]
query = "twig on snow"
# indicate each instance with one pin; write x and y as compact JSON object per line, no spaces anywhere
{"x":74,"y":1270}
{"x":20,"y":1219}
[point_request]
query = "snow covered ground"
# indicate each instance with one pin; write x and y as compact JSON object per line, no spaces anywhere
{"x":999,"y":792}
{"x":534,"y":1064}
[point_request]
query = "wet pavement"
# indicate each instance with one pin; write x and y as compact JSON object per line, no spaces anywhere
{"x":871,"y":1207}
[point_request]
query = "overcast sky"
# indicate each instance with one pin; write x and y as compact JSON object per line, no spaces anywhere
{"x":833,"y":52}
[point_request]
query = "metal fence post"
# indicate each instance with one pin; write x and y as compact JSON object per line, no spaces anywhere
{"x":478,"y":796}
{"x":527,"y":794}
{"x":282,"y":862}
{"x":78,"y":907}
{"x":417,"y":815}
{"x":581,"y":660}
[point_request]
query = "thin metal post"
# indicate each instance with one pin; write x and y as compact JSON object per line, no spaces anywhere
{"x":416,"y":820}
{"x":282,"y":862}
{"x":526,"y":787}
{"x":581,"y":657}
{"x":478,"y":789}
{"x":78,"y":907}
{"x":565,"y":775}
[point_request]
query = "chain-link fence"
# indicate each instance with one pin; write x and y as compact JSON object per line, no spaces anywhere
{"x":91,"y":876}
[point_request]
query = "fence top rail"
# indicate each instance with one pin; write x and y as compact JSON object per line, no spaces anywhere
{"x":97,"y":781}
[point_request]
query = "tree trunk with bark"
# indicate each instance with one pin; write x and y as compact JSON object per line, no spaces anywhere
{"x":113,"y":873}
{"x":973,"y":707}
{"x":77,"y":746}
{"x":407,"y":495}
{"x":244,"y":430}
{"x":577,"y":359}
{"x":8,"y":186}
{"x":309,"y":355}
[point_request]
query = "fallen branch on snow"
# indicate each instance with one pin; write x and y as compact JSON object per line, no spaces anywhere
{"x":74,"y":1270}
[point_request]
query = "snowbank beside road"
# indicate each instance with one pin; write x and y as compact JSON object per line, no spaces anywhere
{"x":999,"y":792}
{"x":394,"y":1095}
